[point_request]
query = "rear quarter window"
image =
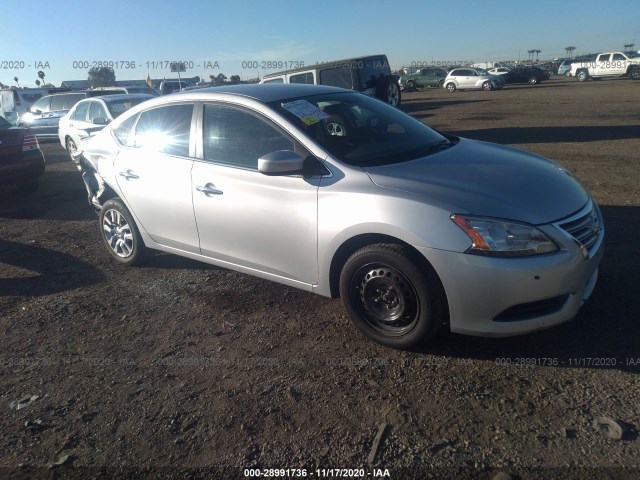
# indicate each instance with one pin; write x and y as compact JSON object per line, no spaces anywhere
{"x":336,"y":77}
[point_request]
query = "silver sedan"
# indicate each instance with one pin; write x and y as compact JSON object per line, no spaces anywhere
{"x":337,"y":193}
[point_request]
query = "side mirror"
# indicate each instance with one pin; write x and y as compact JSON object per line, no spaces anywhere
{"x":281,"y":162}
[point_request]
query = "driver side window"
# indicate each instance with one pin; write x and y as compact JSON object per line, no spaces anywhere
{"x":238,"y":138}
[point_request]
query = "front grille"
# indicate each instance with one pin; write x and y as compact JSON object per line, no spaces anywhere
{"x":585,"y":228}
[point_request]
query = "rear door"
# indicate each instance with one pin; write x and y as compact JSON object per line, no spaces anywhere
{"x":153,"y":171}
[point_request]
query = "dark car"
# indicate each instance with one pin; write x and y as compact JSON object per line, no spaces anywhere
{"x":21,"y":160}
{"x":370,"y":75}
{"x":530,"y":75}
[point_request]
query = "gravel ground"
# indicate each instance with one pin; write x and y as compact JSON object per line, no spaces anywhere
{"x":177,"y":369}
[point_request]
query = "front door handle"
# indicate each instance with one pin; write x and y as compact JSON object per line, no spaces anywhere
{"x":209,"y":189}
{"x":129,"y":175}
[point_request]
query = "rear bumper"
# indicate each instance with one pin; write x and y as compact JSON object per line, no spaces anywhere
{"x":30,"y":166}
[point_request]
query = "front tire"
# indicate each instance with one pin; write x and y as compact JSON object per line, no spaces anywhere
{"x":635,"y":73}
{"x":120,"y":233}
{"x":389,"y":297}
{"x":533,"y":81}
{"x":487,"y":86}
{"x":411,"y":86}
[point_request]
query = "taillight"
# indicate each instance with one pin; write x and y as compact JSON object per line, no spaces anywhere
{"x":30,"y":142}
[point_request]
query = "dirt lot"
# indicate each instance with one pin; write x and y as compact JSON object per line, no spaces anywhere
{"x":181,"y":370}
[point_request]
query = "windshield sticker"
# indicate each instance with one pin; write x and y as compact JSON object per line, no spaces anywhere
{"x":305,"y":111}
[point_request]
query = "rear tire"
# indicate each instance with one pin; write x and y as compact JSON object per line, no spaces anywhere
{"x":120,"y":233}
{"x":72,"y":148}
{"x":451,"y":87}
{"x":390,"y":297}
{"x":582,"y":76}
{"x":533,"y":81}
{"x":635,"y":73}
{"x":487,"y":86}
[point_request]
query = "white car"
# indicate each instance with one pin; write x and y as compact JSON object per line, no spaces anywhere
{"x":471,"y":79}
{"x":92,"y":114}
{"x":499,"y":70}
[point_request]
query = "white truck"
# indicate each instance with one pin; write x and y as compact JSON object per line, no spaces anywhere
{"x":607,"y":65}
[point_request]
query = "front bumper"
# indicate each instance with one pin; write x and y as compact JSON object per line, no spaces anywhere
{"x":499,"y":297}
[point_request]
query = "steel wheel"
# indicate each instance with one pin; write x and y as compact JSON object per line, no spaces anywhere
{"x":388,"y":300}
{"x":120,"y":233}
{"x":392,"y":297}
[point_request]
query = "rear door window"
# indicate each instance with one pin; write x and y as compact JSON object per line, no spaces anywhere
{"x":165,"y":129}
{"x":80,"y":113}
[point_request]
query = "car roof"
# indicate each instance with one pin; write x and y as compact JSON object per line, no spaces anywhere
{"x":118,"y":96}
{"x":265,"y":92}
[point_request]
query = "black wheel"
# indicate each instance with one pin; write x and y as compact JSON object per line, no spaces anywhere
{"x":533,"y":80}
{"x":582,"y":76}
{"x":389,"y":91}
{"x":487,"y":86}
{"x":440,"y":83}
{"x":72,"y":148}
{"x":389,"y":297}
{"x":120,"y":233}
{"x":411,"y":85}
{"x":567,"y":73}
{"x":451,"y":87}
{"x":635,"y":73}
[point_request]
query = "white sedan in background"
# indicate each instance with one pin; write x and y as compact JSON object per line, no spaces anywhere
{"x":92,"y":114}
{"x":499,"y":70}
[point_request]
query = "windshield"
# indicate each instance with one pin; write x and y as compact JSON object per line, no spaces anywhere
{"x":360,"y":130}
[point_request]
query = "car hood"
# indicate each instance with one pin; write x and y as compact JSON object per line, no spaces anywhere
{"x":490,"y":180}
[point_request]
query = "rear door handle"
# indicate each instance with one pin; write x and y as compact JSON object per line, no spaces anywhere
{"x":209,"y":189}
{"x":129,"y":175}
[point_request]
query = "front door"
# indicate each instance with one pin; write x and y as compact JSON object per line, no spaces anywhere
{"x":263,"y":223}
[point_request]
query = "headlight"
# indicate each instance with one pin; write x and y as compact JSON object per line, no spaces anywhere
{"x":503,"y":238}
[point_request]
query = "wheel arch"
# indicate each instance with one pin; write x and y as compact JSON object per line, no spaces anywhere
{"x":353,"y":244}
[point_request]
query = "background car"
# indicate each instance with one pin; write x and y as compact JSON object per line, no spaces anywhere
{"x":526,"y":74}
{"x":340,"y":194}
{"x":21,"y":160}
{"x":425,"y":77}
{"x":133,"y":89}
{"x":471,"y":79}
{"x":44,"y":115}
{"x":92,"y":114}
{"x":565,"y":68}
{"x":370,"y":75}
{"x":14,"y":102}
{"x":499,"y":71}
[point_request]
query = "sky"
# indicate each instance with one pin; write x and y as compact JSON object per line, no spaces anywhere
{"x":249,"y":38}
